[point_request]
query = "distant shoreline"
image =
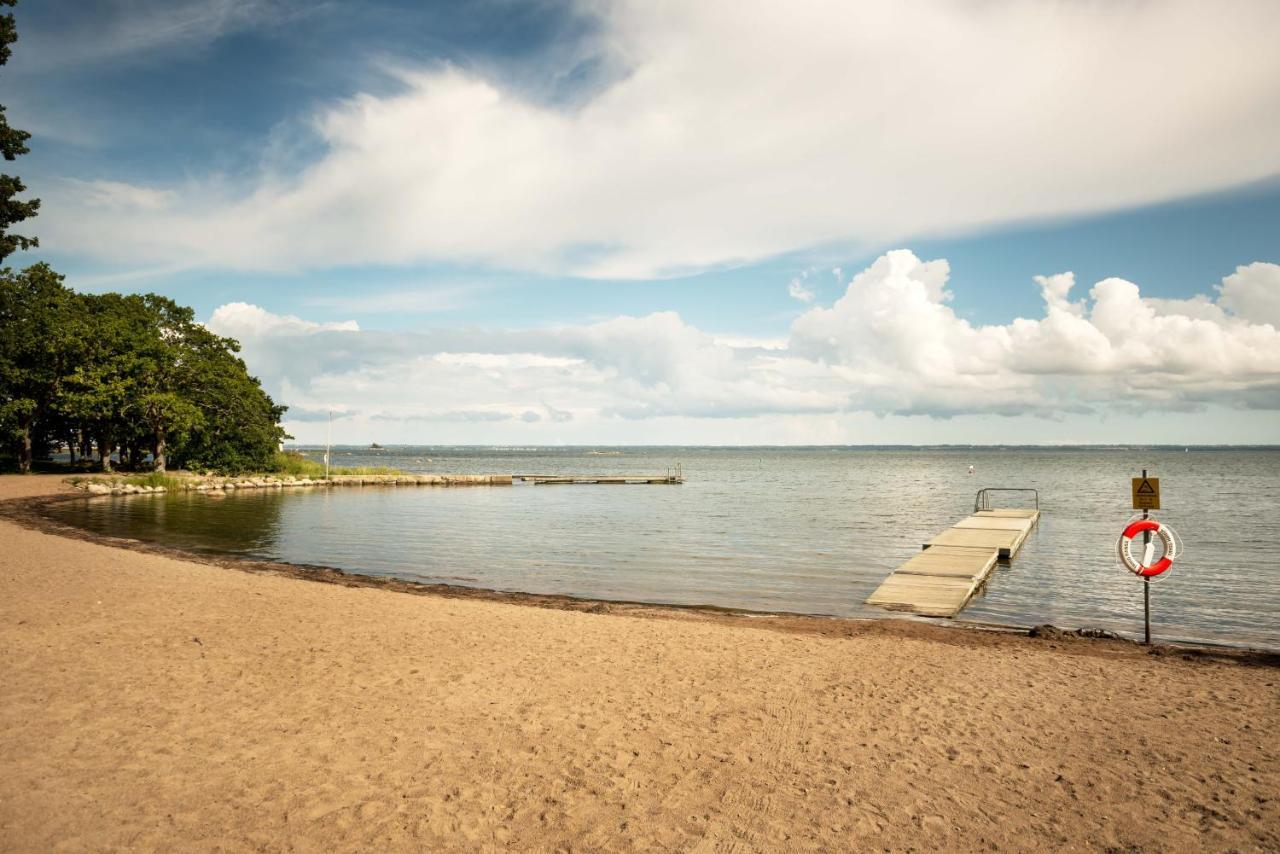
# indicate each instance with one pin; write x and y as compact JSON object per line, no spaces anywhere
{"x":620,"y":449}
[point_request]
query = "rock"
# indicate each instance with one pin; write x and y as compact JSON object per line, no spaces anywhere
{"x":98,"y":488}
{"x":1048,"y":632}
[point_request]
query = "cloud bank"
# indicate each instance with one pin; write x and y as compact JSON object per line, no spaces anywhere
{"x":741,"y":130}
{"x":890,"y":345}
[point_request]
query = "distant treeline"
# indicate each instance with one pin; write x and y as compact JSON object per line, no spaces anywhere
{"x":127,"y":375}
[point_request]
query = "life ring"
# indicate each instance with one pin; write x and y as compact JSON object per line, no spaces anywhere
{"x":1125,"y":551}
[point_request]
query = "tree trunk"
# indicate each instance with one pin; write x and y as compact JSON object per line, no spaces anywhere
{"x":71,"y":448}
{"x":157,"y":452}
{"x":104,"y":454}
{"x":24,"y":447}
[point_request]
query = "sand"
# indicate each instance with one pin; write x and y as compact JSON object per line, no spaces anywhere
{"x":148,"y":702}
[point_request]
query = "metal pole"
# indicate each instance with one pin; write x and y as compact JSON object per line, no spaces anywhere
{"x":1146,"y":582}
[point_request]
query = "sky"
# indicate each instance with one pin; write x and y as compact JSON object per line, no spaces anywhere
{"x":499,"y":222}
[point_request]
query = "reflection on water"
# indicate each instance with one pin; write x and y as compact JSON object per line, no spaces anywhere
{"x":801,"y":530}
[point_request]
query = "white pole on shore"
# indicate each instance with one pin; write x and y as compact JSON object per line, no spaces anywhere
{"x":328,"y":442}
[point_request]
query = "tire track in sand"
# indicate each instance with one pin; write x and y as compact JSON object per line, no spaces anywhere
{"x":748,"y":804}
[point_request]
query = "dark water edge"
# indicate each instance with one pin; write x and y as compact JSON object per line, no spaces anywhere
{"x":798,"y":530}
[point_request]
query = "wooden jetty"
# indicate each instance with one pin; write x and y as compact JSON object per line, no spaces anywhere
{"x":547,"y":479}
{"x":954,"y":565}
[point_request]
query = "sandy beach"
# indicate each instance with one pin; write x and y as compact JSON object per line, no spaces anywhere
{"x":148,"y":702}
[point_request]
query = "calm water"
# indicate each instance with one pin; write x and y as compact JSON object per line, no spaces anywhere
{"x":799,"y":530}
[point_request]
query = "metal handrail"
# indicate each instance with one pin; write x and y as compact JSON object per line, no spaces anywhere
{"x":982,"y":501}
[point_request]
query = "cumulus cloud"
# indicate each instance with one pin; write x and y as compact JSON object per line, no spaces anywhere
{"x":1253,"y":293}
{"x":890,"y":345}
{"x":242,"y":320}
{"x":743,"y":130}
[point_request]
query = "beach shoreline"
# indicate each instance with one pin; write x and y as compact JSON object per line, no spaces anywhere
{"x":26,"y":511}
{"x":754,"y":730}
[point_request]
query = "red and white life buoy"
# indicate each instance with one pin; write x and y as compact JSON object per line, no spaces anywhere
{"x":1145,"y":568}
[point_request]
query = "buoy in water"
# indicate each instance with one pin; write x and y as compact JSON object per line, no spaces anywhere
{"x":970,"y":469}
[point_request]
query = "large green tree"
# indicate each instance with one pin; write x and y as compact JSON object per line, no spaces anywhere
{"x":42,"y":338}
{"x":132,"y":373}
{"x":97,"y":396}
{"x":12,"y":143}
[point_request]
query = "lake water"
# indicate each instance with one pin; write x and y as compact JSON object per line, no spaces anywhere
{"x":805,"y":530}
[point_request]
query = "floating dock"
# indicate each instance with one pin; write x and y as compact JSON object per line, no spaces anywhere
{"x":954,"y":565}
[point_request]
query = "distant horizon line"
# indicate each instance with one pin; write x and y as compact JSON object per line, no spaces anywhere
{"x":966,"y":446}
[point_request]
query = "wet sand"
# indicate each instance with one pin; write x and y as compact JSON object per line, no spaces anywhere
{"x":152,"y":702}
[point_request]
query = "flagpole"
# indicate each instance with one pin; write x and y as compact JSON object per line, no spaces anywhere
{"x":328,"y":442}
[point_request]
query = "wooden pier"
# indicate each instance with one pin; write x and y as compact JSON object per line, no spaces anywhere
{"x":547,"y":479}
{"x":954,"y":565}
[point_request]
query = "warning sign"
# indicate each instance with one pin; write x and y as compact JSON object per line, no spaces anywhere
{"x":1146,"y":493}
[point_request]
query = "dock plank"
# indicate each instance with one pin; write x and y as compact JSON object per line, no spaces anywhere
{"x":1005,"y":541}
{"x":931,"y":596}
{"x":951,"y":561}
{"x":994,"y":523}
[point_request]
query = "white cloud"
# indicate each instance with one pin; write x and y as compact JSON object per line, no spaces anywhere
{"x":1253,"y":293}
{"x":798,"y":290}
{"x":891,"y":345}
{"x":242,"y":320}
{"x":749,"y":129}
{"x":420,"y":300}
{"x":118,"y":196}
{"x":133,"y":29}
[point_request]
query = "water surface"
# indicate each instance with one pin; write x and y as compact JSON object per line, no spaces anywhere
{"x":806,"y":530}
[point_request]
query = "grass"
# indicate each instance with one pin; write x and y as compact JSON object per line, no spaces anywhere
{"x":155,"y":478}
{"x":295,"y":464}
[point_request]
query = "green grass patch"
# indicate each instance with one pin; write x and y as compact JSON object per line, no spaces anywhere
{"x":296,"y":465}
{"x":155,"y":478}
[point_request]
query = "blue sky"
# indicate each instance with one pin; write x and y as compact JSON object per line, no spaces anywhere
{"x":613,"y":222}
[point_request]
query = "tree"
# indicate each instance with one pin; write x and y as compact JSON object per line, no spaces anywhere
{"x":41,"y":340}
{"x":152,"y":378}
{"x":97,"y":394}
{"x":12,"y":143}
{"x":240,"y":429}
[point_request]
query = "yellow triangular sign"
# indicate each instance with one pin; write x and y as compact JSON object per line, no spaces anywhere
{"x":1145,"y":488}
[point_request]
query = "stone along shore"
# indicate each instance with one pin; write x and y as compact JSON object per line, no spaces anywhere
{"x":121,"y":486}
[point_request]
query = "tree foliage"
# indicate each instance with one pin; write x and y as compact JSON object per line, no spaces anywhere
{"x":133,"y":376}
{"x":12,"y":143}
